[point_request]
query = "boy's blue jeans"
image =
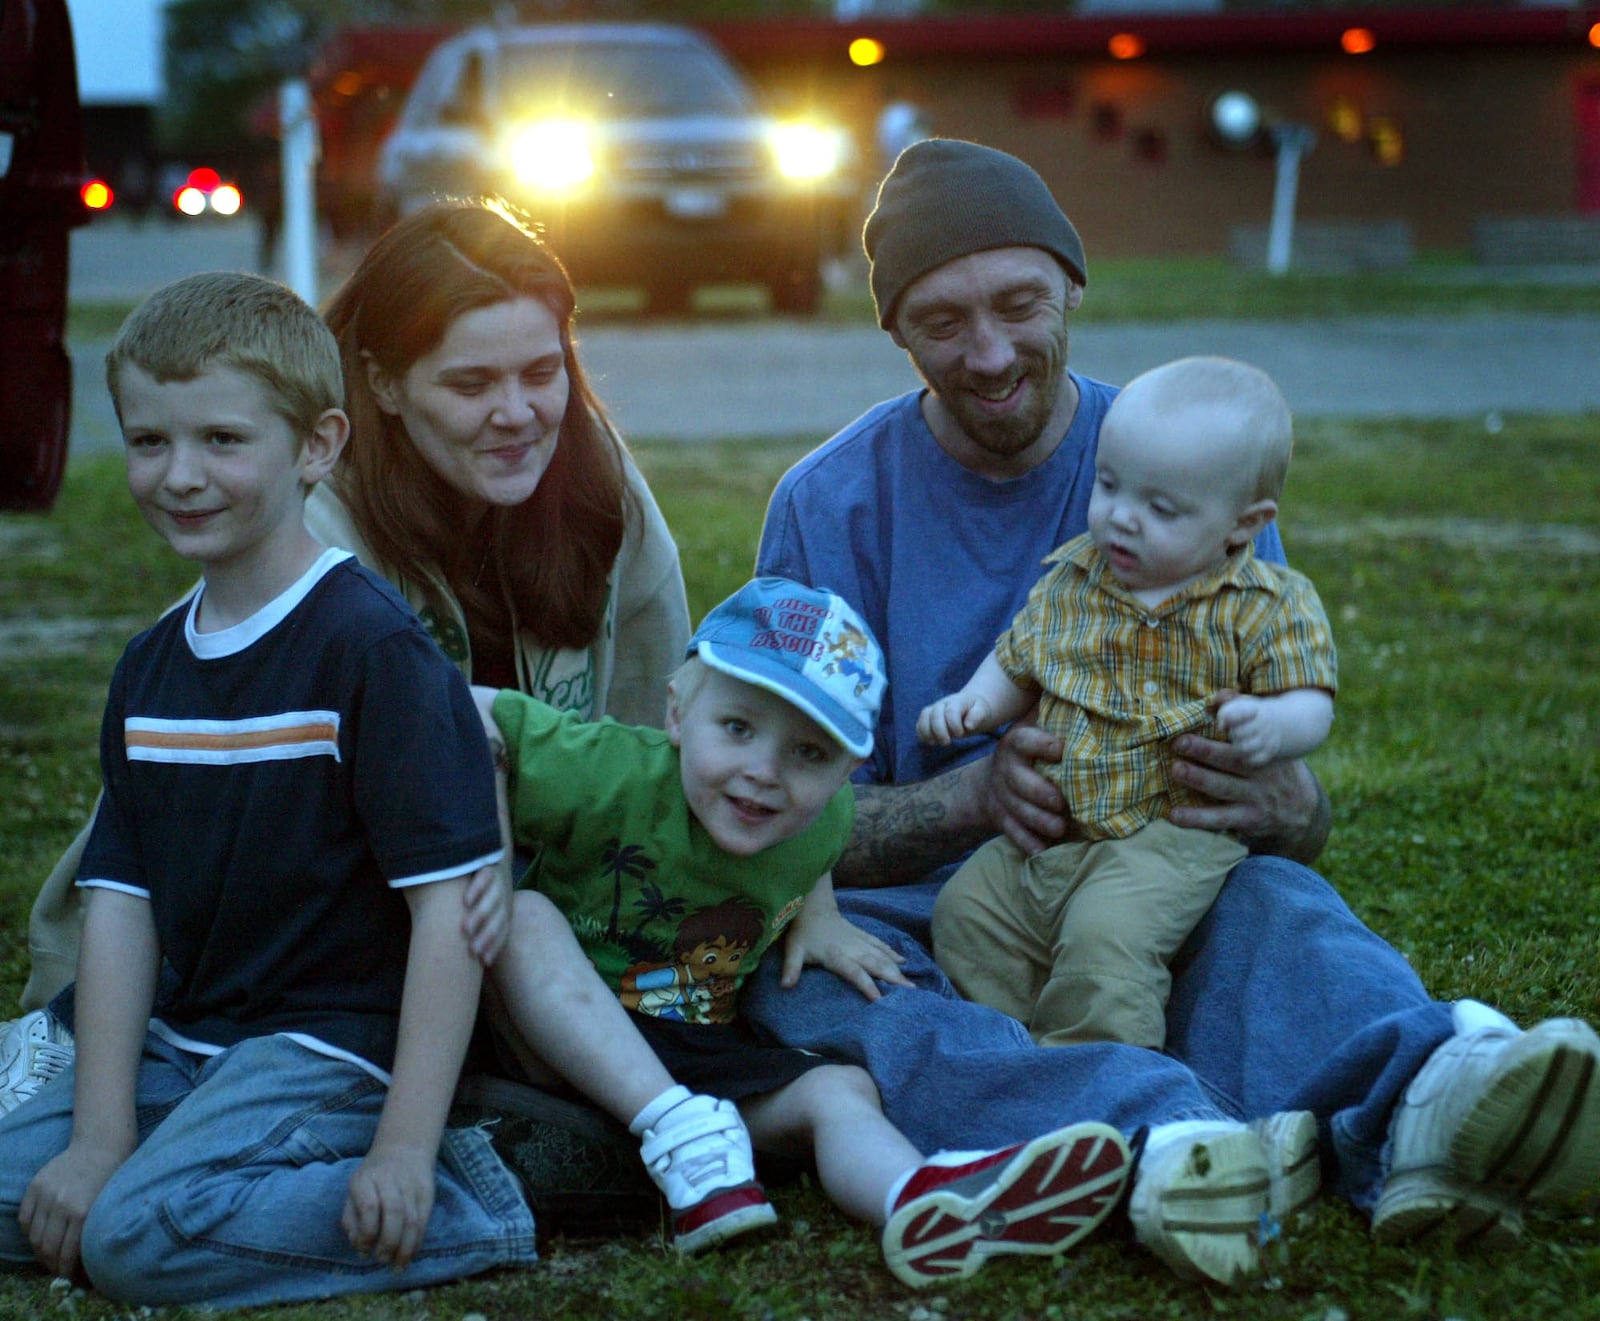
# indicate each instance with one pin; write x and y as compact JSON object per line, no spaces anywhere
{"x":1281,"y":1000}
{"x":234,"y":1194}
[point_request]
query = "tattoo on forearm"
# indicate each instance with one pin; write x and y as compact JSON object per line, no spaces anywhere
{"x":901,"y":834}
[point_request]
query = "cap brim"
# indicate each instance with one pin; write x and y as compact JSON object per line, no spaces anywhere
{"x":780,"y":680}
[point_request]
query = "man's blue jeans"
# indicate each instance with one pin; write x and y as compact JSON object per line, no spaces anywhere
{"x":1281,"y":1000}
{"x":234,"y":1194}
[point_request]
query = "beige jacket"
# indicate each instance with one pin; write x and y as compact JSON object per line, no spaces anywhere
{"x":623,"y":673}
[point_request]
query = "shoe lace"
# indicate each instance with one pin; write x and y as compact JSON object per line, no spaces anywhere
{"x":46,"y":1062}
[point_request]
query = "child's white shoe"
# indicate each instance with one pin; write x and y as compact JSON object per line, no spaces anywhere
{"x":697,"y":1150}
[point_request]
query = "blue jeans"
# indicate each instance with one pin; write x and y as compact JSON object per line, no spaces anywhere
{"x":1281,"y":1000}
{"x":234,"y":1194}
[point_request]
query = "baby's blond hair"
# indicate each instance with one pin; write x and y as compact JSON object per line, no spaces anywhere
{"x":1260,"y":414}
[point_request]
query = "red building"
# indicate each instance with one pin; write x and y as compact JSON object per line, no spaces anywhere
{"x":1432,"y":119}
{"x":1435,"y":118}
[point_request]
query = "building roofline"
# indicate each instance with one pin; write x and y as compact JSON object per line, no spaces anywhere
{"x":1016,"y":34}
{"x":395,"y":53}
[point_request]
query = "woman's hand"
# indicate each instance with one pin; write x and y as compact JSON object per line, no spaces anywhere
{"x":486,"y":914}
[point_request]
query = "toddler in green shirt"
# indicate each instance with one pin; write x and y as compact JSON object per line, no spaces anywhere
{"x":664,"y":864}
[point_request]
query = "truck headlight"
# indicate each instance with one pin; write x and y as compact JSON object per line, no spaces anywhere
{"x":551,"y":156}
{"x":806,"y":151}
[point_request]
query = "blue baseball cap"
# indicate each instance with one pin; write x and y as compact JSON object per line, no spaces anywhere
{"x":806,"y":645}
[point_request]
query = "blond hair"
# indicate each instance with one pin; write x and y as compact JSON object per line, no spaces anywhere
{"x":685,"y":682}
{"x":231,"y":319}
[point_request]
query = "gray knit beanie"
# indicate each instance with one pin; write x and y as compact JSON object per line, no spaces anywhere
{"x":946,"y":198}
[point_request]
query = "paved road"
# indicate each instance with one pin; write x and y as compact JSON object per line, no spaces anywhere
{"x":708,"y":380}
{"x":790,"y":379}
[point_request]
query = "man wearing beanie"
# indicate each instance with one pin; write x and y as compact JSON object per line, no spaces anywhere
{"x":931,"y":514}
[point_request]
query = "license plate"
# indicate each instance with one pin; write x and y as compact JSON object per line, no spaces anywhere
{"x":696,"y":203}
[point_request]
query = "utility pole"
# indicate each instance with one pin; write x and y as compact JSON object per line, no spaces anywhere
{"x":300,"y":146}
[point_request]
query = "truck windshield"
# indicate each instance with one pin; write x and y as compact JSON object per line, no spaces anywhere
{"x":616,"y":79}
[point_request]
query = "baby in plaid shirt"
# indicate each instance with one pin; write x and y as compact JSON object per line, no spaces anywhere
{"x":1159,"y":621}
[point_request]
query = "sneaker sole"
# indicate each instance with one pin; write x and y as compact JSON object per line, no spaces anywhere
{"x":1051,"y":1194}
{"x":1214,"y":1211}
{"x":20,"y":1083}
{"x":1535,"y":1134}
{"x":1289,"y":1142}
{"x":1424,"y":1204}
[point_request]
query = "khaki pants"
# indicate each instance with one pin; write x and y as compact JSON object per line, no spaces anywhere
{"x":1075,"y":941}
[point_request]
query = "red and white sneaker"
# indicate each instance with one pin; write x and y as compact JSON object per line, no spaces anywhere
{"x":721,"y":1216}
{"x":698,"y":1152}
{"x":1039,"y":1198}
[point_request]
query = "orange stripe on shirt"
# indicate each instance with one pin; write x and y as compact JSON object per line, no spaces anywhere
{"x":262,"y":738}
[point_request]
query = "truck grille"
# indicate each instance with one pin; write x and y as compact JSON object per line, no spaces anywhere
{"x":702,"y":160}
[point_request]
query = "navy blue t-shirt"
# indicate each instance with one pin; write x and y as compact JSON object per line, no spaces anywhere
{"x":271,"y":788}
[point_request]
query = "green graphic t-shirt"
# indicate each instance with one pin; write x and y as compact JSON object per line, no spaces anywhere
{"x":673,"y":923}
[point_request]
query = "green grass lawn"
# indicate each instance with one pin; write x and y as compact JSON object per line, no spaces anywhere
{"x":1458,"y":568}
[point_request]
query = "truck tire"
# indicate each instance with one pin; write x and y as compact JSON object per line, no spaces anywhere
{"x":797,"y":293}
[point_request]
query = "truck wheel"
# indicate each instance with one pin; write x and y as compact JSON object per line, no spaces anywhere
{"x":797,"y":293}
{"x":668,"y":298}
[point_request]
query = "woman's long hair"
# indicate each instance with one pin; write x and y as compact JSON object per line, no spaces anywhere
{"x":549,"y":556}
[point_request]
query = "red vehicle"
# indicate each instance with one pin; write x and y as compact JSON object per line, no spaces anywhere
{"x":42,"y":174}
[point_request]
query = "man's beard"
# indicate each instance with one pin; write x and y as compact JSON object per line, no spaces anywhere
{"x":1004,"y":437}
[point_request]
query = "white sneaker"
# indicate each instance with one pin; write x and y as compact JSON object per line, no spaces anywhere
{"x":1495,"y":1119}
{"x":1201,"y":1199}
{"x":699,"y":1155}
{"x":1289,"y":1142}
{"x":33,"y":1050}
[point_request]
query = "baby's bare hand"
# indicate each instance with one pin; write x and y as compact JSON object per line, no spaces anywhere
{"x":951,"y":718}
{"x":1249,"y":729}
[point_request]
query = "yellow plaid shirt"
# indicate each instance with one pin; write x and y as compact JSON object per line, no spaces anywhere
{"x":1119,"y":679}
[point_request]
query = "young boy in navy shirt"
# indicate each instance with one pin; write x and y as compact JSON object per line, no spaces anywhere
{"x":297,"y":795}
